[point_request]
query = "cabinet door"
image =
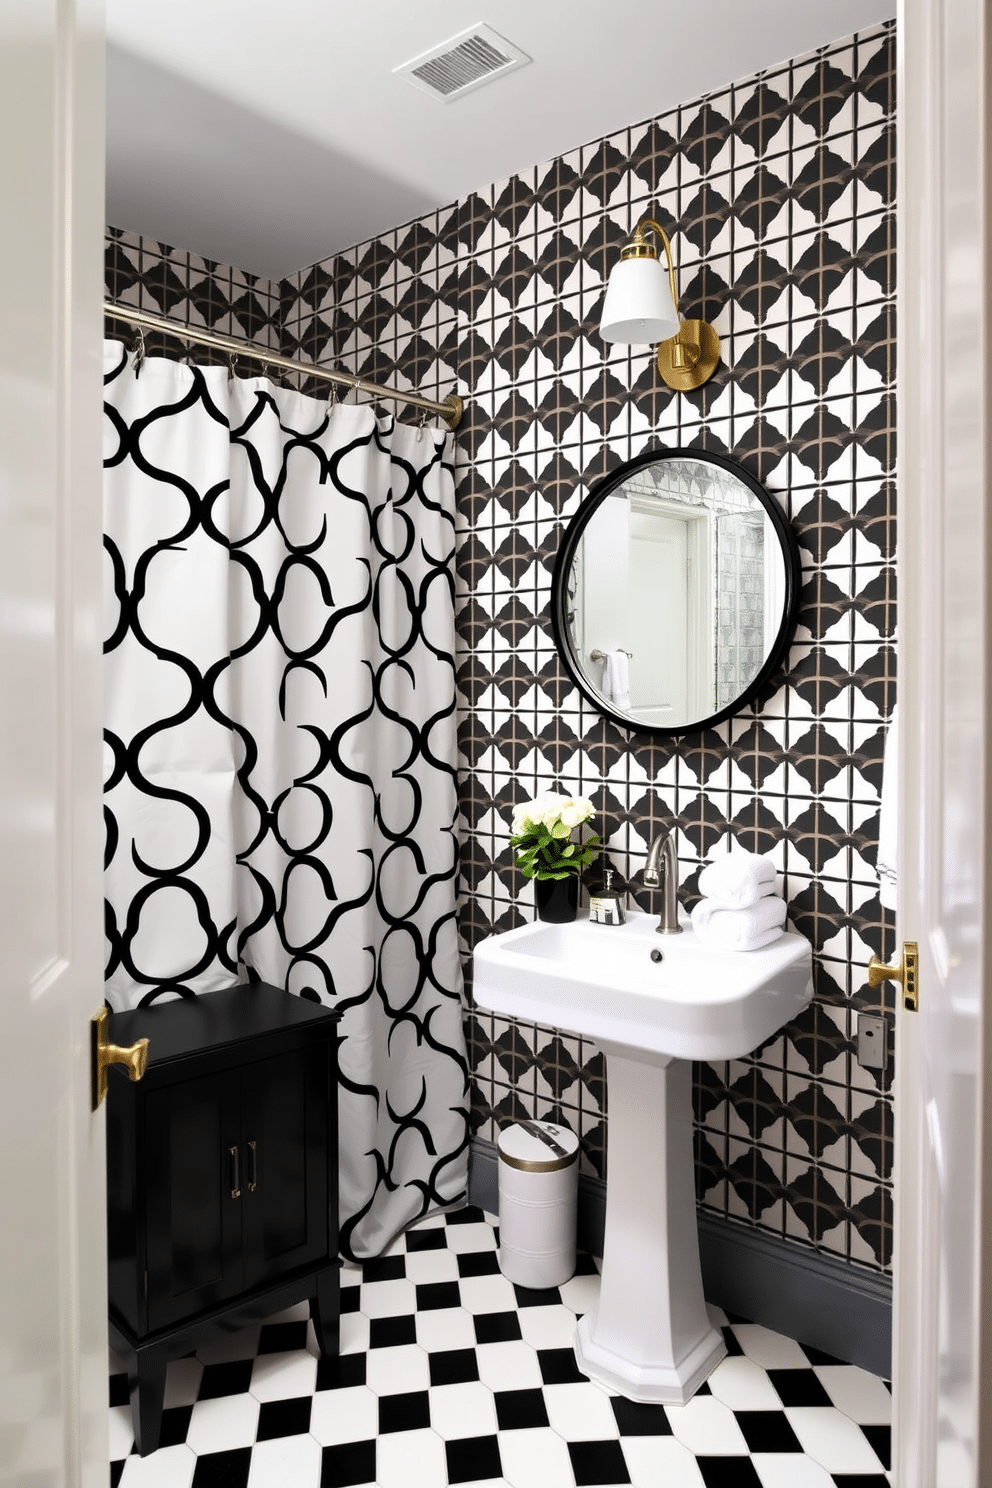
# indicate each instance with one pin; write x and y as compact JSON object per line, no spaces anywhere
{"x":193,"y":1212}
{"x":284,"y":1126}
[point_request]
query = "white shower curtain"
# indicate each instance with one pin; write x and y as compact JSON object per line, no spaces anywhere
{"x":280,"y":792}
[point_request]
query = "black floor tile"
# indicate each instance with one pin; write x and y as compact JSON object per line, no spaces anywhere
{"x":798,"y":1387}
{"x":384,"y":1268}
{"x":471,"y":1214}
{"x":728,"y":1472}
{"x":880,"y":1440}
{"x":497,"y":1327}
{"x":116,"y":1471}
{"x":341,"y":1373}
{"x":454,"y":1367}
{"x":532,"y":1297}
{"x":767,"y":1431}
{"x":584,"y":1265}
{"x":282,"y":1338}
{"x":225,"y":1379}
{"x":636,"y":1419}
{"x":175,"y":1425}
{"x":517,"y":1410}
{"x":478,"y":1263}
{"x":734,"y":1349}
{"x":558,"y":1367}
{"x":284,"y":1418}
{"x":354,"y":1462}
{"x":598,"y":1462}
{"x":119,"y":1393}
{"x":437,"y":1294}
{"x":473,"y":1457}
{"x":861,"y":1480}
{"x":351,"y":1297}
{"x":410,"y":1411}
{"x":389,"y":1332}
{"x":223,"y":1469}
{"x":426,"y":1239}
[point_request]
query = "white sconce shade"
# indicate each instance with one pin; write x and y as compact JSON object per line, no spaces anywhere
{"x":638,"y":308}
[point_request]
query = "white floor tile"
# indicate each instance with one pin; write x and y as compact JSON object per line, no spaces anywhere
{"x":790,"y":1470}
{"x":445,"y":1328}
{"x":121,"y":1431}
{"x":392,"y":1371}
{"x":288,"y":1459}
{"x":707,"y":1427}
{"x":221,"y":1425}
{"x":743,"y":1385}
{"x":660,"y":1462}
{"x":351,"y":1274}
{"x":581,"y":1412}
{"x":509,"y":1366}
{"x":347,"y":1415}
{"x":387,"y":1298}
{"x":465,"y":1237}
{"x":296,"y":1314}
{"x":769,"y":1349}
{"x":354,"y":1333}
{"x":536,"y":1459}
{"x":411,"y":1459}
{"x":860,"y":1395}
{"x":182,"y":1382}
{"x":832,"y":1439}
{"x":283,"y":1376}
{"x":547,"y":1327}
{"x":463,"y":1410}
{"x":487,"y":1294}
{"x":423,"y":1266}
{"x":581,"y":1293}
{"x":169,"y":1467}
{"x":232,"y":1346}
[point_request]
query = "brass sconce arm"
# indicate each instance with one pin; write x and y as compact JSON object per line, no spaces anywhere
{"x":639,"y":247}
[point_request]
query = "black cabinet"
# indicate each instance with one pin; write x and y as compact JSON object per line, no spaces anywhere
{"x":221,"y":1178}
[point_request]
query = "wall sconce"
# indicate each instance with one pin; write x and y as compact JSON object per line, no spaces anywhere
{"x":642,"y":307}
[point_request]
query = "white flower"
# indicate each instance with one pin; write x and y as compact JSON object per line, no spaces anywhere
{"x":549,"y":810}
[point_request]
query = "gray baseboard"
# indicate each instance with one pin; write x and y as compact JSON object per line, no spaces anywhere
{"x":817,"y":1299}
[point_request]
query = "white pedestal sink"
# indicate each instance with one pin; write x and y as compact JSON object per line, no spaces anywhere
{"x":650,"y":1337}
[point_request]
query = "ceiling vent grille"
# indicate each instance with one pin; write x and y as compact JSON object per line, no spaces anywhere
{"x":464,"y":62}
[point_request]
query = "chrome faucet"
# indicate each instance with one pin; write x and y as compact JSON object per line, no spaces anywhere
{"x":662,"y":851}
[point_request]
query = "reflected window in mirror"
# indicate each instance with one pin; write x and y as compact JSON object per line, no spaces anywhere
{"x":675,"y":591}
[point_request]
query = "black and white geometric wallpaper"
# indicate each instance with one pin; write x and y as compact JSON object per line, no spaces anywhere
{"x":778,"y":194}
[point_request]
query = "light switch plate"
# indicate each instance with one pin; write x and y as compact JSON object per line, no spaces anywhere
{"x":873,"y":1041}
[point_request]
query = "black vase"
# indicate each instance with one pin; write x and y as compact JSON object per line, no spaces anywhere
{"x":557,"y":899}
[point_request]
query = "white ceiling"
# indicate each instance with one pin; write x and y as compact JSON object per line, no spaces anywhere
{"x":271,"y":133}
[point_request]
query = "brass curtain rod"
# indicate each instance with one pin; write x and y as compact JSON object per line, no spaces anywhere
{"x":450,"y":409}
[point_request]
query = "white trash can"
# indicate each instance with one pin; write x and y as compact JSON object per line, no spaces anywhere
{"x":538,"y":1188}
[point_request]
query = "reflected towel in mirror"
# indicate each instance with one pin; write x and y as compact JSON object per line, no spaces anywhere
{"x":616,"y":678}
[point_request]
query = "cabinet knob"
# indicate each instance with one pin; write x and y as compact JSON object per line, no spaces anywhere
{"x":103,"y":1053}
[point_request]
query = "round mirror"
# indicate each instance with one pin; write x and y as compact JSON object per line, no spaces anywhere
{"x":675,"y":591}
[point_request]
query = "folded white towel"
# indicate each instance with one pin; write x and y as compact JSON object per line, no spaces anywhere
{"x":739,"y":929}
{"x":616,"y":679}
{"x":738,"y":879}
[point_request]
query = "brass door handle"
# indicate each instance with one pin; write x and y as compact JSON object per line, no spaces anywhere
{"x":905,"y":971}
{"x":103,"y":1054}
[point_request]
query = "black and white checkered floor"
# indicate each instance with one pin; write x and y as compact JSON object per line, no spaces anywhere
{"x":450,"y":1375}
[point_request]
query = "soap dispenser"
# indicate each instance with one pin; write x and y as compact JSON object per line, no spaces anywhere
{"x":606,"y":907}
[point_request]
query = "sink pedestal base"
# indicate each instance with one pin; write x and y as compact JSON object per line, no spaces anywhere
{"x":650,"y":1337}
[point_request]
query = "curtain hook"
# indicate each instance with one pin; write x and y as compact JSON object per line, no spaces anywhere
{"x":333,"y":399}
{"x":232,"y":363}
{"x":139,"y":351}
{"x":422,"y":424}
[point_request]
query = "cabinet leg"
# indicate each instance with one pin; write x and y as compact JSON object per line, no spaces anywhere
{"x":146,"y":1382}
{"x":325,"y":1309}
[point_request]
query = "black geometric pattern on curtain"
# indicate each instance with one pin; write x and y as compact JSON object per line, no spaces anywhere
{"x":280,"y":727}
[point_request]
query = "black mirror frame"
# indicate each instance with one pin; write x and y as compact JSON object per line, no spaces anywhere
{"x":566,"y":553}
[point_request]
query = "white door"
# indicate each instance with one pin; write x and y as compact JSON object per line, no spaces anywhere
{"x":941,"y":1346}
{"x":657,"y":602}
{"x":53,"y":1328}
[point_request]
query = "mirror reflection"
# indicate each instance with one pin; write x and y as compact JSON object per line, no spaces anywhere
{"x":675,"y":592}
